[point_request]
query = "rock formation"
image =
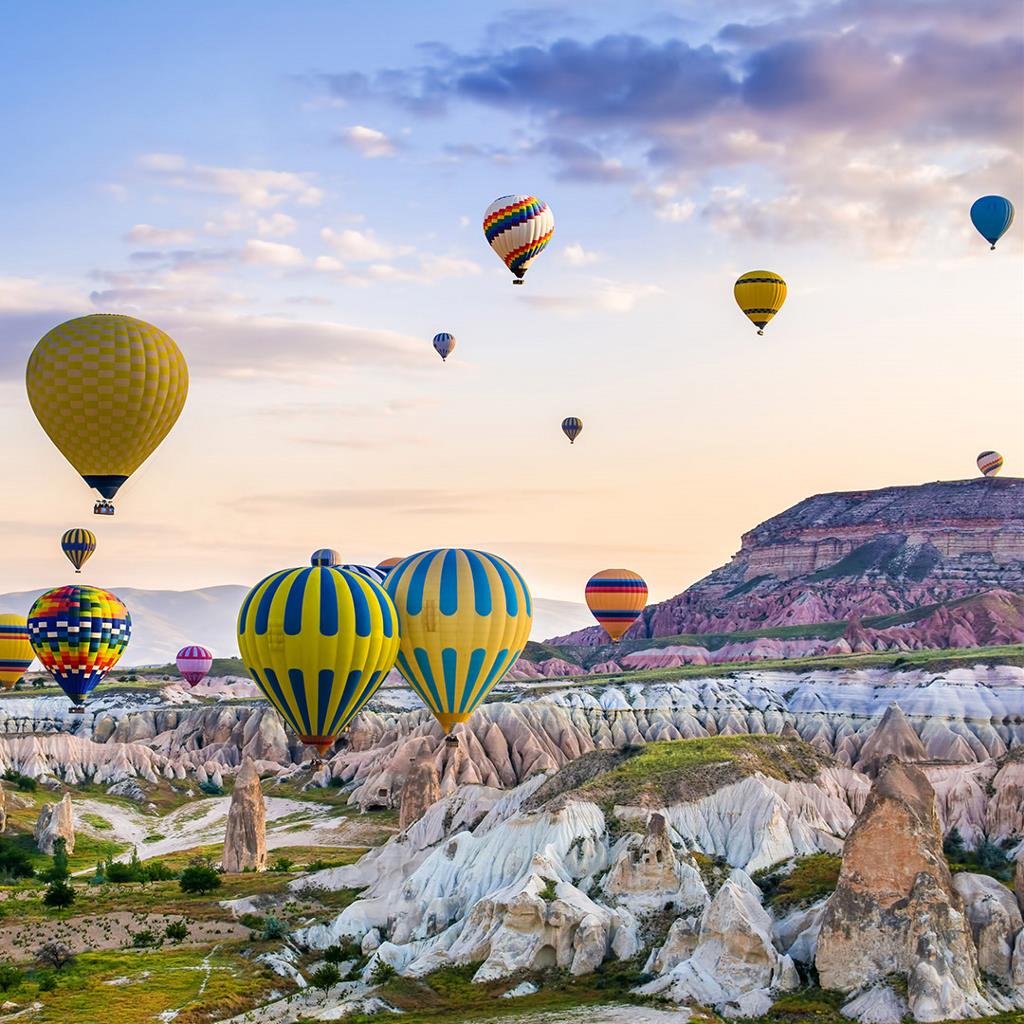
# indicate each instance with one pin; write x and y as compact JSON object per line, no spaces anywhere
{"x":995,"y":921}
{"x":861,"y":553}
{"x":1018,"y":881}
{"x":894,"y":737}
{"x":3,"y":809}
{"x":896,"y":910}
{"x":421,"y":791}
{"x":55,"y":821}
{"x":245,"y":840}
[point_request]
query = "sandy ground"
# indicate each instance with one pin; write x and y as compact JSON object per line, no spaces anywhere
{"x":289,"y":823}
{"x":107,"y":931}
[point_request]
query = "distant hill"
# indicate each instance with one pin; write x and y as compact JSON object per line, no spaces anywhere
{"x":163,"y":621}
{"x":854,"y":555}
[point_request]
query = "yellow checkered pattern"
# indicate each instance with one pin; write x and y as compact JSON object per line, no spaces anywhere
{"x":106,"y":388}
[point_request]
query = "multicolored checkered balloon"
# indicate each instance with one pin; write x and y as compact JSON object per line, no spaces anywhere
{"x":79,"y":634}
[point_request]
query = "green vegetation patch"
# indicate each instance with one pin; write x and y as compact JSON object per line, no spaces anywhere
{"x":811,"y":879}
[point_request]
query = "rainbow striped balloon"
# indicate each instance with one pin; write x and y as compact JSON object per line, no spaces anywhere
{"x":990,"y":463}
{"x":615,"y":598}
{"x":518,"y":229}
{"x":15,"y":650}
{"x":193,"y":663}
{"x":318,"y":642}
{"x":79,"y":634}
{"x":465,"y":617}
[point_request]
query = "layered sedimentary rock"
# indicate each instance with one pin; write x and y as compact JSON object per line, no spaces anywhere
{"x":856,"y":553}
{"x":55,"y":821}
{"x":245,"y":839}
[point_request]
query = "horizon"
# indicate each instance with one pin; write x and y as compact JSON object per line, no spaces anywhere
{"x":302,"y":217}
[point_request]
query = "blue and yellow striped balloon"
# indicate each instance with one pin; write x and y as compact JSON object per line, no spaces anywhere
{"x":465,"y":617}
{"x":78,"y":545}
{"x":318,"y":642}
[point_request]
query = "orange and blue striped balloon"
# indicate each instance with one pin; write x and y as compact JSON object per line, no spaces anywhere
{"x":615,"y":598}
{"x":15,"y":650}
{"x":78,"y":545}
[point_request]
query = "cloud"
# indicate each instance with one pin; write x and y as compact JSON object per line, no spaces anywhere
{"x":371,"y":143}
{"x":606,"y":295}
{"x":358,"y":246}
{"x":146,"y":234}
{"x":255,"y":188}
{"x":581,"y":162}
{"x":272,"y":254}
{"x":576,"y":256}
{"x":277,"y":225}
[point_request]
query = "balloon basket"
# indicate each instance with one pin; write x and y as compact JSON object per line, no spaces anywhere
{"x":451,"y":740}
{"x":103,"y":508}
{"x":76,"y":709}
{"x":519,"y":280}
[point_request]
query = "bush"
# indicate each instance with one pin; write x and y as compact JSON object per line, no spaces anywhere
{"x":56,"y":955}
{"x":274,"y":928}
{"x":200,"y":877}
{"x":282,"y":864}
{"x":144,"y":939}
{"x":382,"y":972}
{"x":59,"y":894}
{"x":10,"y":977}
{"x":14,"y":861}
{"x":346,"y":949}
{"x":46,"y":980}
{"x":158,"y":871}
{"x":176,"y":931}
{"x":58,"y":871}
{"x":211,"y":789}
{"x":252,"y":921}
{"x":23,"y":782}
{"x":548,"y":893}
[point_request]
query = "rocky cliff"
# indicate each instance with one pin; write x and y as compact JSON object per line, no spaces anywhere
{"x":855,"y":554}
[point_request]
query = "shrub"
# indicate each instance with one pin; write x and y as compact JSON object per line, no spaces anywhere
{"x":23,"y":782}
{"x":211,"y":788}
{"x":346,"y":949}
{"x":274,"y":928}
{"x":548,"y":893}
{"x":56,"y":955}
{"x":200,"y":877}
{"x":14,"y":861}
{"x":382,"y":972}
{"x":282,"y":864}
{"x":59,"y":895}
{"x":59,"y":869}
{"x":46,"y":980}
{"x":10,"y":977}
{"x":252,"y":921}
{"x":144,"y":938}
{"x":158,"y":871}
{"x":176,"y":931}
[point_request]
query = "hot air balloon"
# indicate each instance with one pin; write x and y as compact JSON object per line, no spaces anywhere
{"x":990,"y":463}
{"x":368,"y":572}
{"x":388,"y":564}
{"x":615,"y":598}
{"x":992,"y":216}
{"x":106,"y":389}
{"x":78,"y":545}
{"x":193,"y":663}
{"x":760,"y":294}
{"x":517,"y":229}
{"x":572,"y":427}
{"x":325,"y":556}
{"x":444,"y":344}
{"x":15,"y":650}
{"x":318,"y":642}
{"x":79,"y":633}
{"x":465,"y":617}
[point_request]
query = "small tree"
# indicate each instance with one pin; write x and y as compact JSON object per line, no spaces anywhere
{"x":56,"y":955}
{"x":59,"y":895}
{"x":176,"y":931}
{"x":282,"y":864}
{"x":325,"y":978}
{"x":200,"y":877}
{"x":10,"y":977}
{"x":59,"y":868}
{"x":953,"y":845}
{"x":274,"y":928}
{"x":382,"y":972}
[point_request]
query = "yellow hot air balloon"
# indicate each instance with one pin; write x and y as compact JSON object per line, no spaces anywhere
{"x":318,"y":641}
{"x":106,"y":389}
{"x":760,"y":294}
{"x":616,"y":597}
{"x":465,"y":617}
{"x":16,"y":652}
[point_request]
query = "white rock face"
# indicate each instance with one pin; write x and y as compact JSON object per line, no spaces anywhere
{"x":734,"y":966}
{"x":56,"y":821}
{"x":995,"y":921}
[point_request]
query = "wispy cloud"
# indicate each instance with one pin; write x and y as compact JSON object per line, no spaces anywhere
{"x":369,"y":142}
{"x":146,"y":234}
{"x":272,"y":254}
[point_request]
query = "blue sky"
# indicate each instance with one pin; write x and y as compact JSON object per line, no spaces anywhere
{"x":294,"y":192}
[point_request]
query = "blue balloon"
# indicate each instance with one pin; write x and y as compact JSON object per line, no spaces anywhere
{"x":992,"y":216}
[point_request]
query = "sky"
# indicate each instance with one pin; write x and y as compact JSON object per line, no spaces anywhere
{"x":294,"y":192}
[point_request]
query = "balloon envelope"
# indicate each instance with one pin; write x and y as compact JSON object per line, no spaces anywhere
{"x":78,"y":545}
{"x":572,"y":427}
{"x":444,"y":344}
{"x":193,"y":663}
{"x":389,"y":563}
{"x":992,"y":216}
{"x":990,"y":463}
{"x":615,"y":598}
{"x":465,"y":618}
{"x":760,"y":294}
{"x":368,"y":572}
{"x":325,"y":556}
{"x":106,"y":389}
{"x":518,"y":228}
{"x":318,"y":642}
{"x":79,"y":634}
{"x":15,"y":650}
